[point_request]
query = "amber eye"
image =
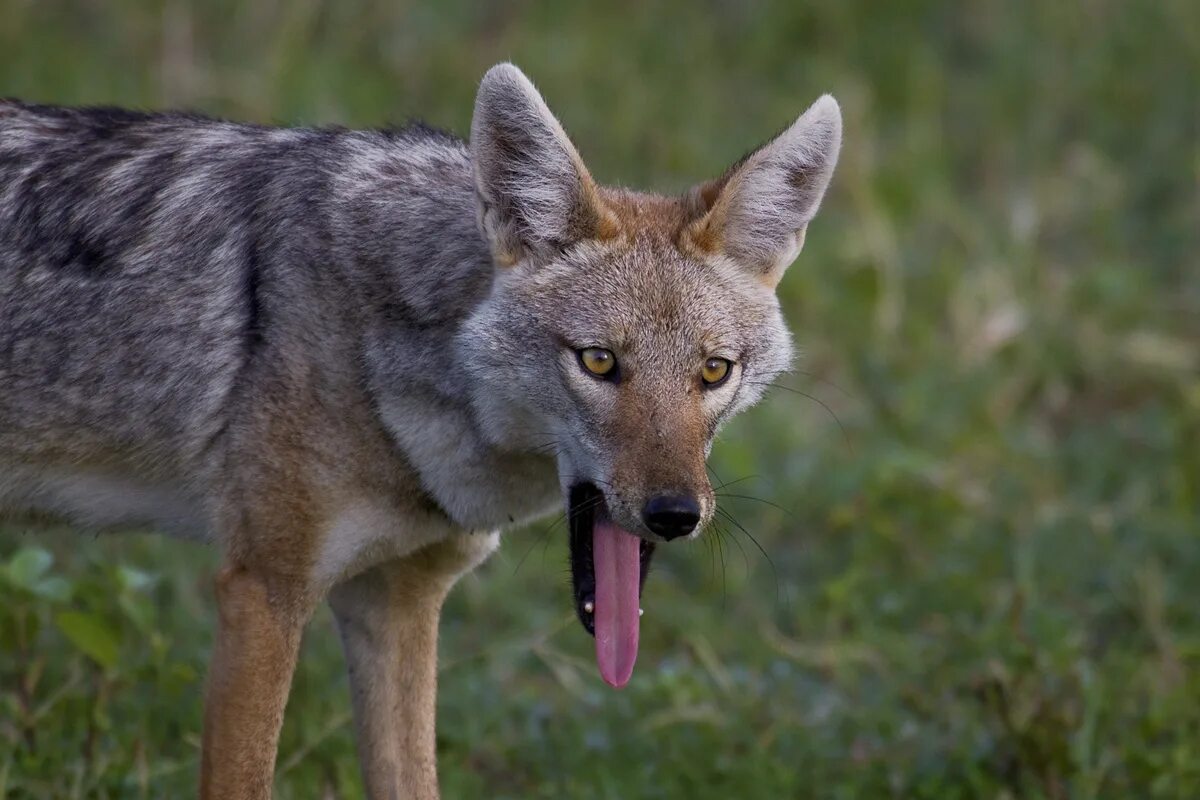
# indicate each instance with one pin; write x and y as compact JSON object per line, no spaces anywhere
{"x":598,"y":361}
{"x":715,"y":371}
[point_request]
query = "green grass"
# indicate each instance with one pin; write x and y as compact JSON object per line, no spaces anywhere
{"x":983,"y":573}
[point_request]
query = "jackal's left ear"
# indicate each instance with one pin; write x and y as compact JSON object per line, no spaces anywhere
{"x":757,"y":212}
{"x":535,"y":195}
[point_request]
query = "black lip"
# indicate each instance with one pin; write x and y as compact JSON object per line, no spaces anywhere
{"x":585,"y":502}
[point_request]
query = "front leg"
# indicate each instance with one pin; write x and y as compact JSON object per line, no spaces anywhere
{"x":388,"y":619}
{"x":255,"y":654}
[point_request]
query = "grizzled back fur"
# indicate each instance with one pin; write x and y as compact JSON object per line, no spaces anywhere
{"x":133,"y":245}
{"x":162,"y":273}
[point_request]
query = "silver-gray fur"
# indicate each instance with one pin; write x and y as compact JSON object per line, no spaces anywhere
{"x":332,"y":350}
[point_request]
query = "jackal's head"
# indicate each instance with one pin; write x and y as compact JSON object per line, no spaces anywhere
{"x":625,"y":328}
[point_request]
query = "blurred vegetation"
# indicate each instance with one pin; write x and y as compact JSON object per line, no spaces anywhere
{"x":980,"y":508}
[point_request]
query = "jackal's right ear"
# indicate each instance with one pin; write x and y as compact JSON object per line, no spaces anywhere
{"x":535,"y":195}
{"x":757,"y":212}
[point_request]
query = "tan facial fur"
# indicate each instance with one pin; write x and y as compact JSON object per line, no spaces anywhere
{"x":664,"y":283}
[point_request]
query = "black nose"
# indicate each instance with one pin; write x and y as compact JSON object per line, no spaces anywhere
{"x":671,"y":515}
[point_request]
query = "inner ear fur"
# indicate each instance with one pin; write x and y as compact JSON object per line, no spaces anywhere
{"x":756,"y":214}
{"x":536,"y":196}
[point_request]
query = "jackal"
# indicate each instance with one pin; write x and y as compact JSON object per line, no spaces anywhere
{"x":351,"y":358}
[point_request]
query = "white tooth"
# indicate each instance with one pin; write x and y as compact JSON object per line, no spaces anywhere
{"x":589,"y":606}
{"x":641,"y":611}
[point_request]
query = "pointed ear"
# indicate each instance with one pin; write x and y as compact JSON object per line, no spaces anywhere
{"x":756,"y":213}
{"x":535,"y":195}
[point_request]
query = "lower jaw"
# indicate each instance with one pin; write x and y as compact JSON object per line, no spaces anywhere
{"x":585,"y":507}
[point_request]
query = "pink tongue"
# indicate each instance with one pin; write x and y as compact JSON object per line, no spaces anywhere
{"x":617,"y":563}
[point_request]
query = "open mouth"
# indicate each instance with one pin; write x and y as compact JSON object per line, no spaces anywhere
{"x":608,"y":570}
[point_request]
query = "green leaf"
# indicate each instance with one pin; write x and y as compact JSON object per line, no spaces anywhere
{"x":135,"y":579}
{"x":27,"y":565}
{"x":53,"y":588}
{"x":91,"y":635}
{"x":138,"y":611}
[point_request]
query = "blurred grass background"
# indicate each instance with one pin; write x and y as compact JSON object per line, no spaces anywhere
{"x":981,"y":532}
